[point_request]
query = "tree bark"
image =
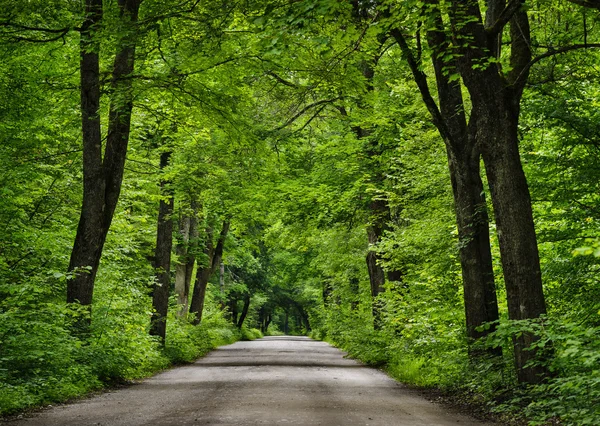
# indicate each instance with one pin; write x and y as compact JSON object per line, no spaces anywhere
{"x":376,"y":272}
{"x":102,"y":177}
{"x":214,"y":254}
{"x":496,"y":101}
{"x":244,"y":312}
{"x":188,"y":234}
{"x":462,"y":150}
{"x":162,"y":258}
{"x":90,"y":236}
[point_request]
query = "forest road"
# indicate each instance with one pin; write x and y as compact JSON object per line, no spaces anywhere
{"x":271,"y":381}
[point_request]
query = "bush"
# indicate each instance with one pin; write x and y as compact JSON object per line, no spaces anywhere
{"x":250,"y":333}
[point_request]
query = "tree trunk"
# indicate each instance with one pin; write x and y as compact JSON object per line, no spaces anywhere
{"x":516,"y":232}
{"x":188,"y":233}
{"x":91,"y":235}
{"x":496,"y":101}
{"x":102,"y":177}
{"x":481,"y":304}
{"x":233,"y":311}
{"x":181,"y":268}
{"x":199,"y":293}
{"x":462,"y":151}
{"x":244,"y":313}
{"x":214,"y":254}
{"x":354,"y":293}
{"x":162,"y":259}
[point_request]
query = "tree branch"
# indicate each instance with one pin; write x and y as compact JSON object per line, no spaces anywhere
{"x":592,"y":4}
{"x":281,"y":80}
{"x":554,"y":52}
{"x":421,"y":80}
{"x":303,"y":110}
{"x":505,"y":16}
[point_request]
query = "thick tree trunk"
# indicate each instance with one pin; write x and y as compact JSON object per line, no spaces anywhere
{"x":462,"y":151}
{"x":91,"y":234}
{"x":102,"y":177}
{"x":162,"y":259}
{"x":516,"y":232}
{"x":481,"y":304}
{"x":496,"y":100}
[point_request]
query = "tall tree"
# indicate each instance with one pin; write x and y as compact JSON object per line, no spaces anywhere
{"x":162,"y":256}
{"x":103,"y":174}
{"x":492,"y":131}
{"x":463,"y":154}
{"x":186,"y":256}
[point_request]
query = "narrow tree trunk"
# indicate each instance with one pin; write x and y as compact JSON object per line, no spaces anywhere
{"x":214,"y":256}
{"x":481,"y":304}
{"x":354,"y":292}
{"x":244,"y":313}
{"x":327,"y":293}
{"x":181,"y":250}
{"x":233,"y":310}
{"x":199,"y":293}
{"x":162,"y":259}
{"x":188,"y":233}
{"x":102,"y":177}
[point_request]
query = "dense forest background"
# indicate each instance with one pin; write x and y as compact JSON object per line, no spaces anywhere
{"x":415,"y":181}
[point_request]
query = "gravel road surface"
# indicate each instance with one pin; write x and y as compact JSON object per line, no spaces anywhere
{"x":272,"y":381}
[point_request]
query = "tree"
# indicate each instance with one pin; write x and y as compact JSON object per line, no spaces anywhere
{"x":162,"y":257}
{"x":213,"y":254}
{"x":103,"y":174}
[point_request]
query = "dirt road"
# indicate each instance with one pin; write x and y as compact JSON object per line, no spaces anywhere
{"x":271,"y":381}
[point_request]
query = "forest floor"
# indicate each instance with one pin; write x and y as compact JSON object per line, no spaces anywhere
{"x":271,"y":381}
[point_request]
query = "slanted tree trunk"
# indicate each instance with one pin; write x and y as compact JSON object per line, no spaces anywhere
{"x":245,"y":309}
{"x":481,"y":304}
{"x":162,"y":258}
{"x":214,"y":255}
{"x":462,"y":151}
{"x":102,"y":176}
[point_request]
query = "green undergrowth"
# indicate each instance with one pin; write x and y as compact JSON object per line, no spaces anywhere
{"x":42,"y":363}
{"x":437,"y":358}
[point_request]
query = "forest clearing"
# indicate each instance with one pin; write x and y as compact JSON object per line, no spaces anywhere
{"x":414,"y":182}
